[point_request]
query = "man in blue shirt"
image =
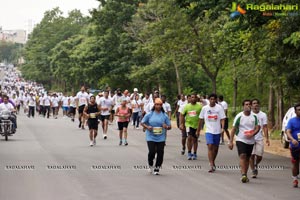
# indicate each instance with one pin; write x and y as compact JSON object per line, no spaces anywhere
{"x":293,"y":133}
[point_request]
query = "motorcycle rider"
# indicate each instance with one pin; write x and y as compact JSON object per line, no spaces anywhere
{"x":6,"y":105}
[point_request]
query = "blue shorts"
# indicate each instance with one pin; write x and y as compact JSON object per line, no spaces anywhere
{"x":213,"y":139}
{"x":65,"y":108}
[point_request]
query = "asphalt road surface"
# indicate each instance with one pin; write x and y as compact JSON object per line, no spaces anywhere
{"x":51,"y":159}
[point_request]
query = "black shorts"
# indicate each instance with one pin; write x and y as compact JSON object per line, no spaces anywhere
{"x":80,"y":109}
{"x":295,"y":153}
{"x":93,"y":124}
{"x":72,"y":110}
{"x":226,"y":124}
{"x":122,"y":125}
{"x":104,"y":117}
{"x":244,"y":148}
{"x":192,"y":132}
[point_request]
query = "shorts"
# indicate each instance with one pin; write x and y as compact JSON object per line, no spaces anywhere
{"x":65,"y":108}
{"x":122,"y":125}
{"x":104,"y":117}
{"x":93,"y":124}
{"x":295,"y":153}
{"x":192,"y":132}
{"x":80,"y":109}
{"x":72,"y":110}
{"x":244,"y":148}
{"x":258,"y":148}
{"x":226,"y":124}
{"x":213,"y":139}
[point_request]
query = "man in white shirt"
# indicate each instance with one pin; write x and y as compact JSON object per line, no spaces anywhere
{"x":258,"y":148}
{"x":54,"y":105}
{"x":65,"y":105}
{"x":47,"y":103}
{"x":31,"y":104}
{"x":213,"y":115}
{"x":245,"y":127}
{"x":7,"y":106}
{"x":82,"y":99}
{"x":106,"y":104}
{"x":166,"y":106}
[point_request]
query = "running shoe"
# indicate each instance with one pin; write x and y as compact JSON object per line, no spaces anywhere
{"x":150,"y":170}
{"x":104,"y":137}
{"x":126,"y":143}
{"x":120,"y":143}
{"x":222,"y":143}
{"x":254,"y":173}
{"x":156,"y":171}
{"x":212,"y":169}
{"x":92,"y":143}
{"x":72,"y":120}
{"x":183,"y":151}
{"x":190,"y":156}
{"x":295,"y":183}
{"x":79,"y":126}
{"x":244,"y":179}
{"x":194,"y":156}
{"x":137,"y":128}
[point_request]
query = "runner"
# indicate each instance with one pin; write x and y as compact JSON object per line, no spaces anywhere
{"x":245,"y":126}
{"x":214,"y":117}
{"x":293,"y":133}
{"x":180,"y":104}
{"x":105,"y":105}
{"x":156,"y":123}
{"x":65,"y":105}
{"x":54,"y":105}
{"x":225,"y":127}
{"x":123,"y":113}
{"x":41,"y":103}
{"x":258,"y":148}
{"x":189,"y":119}
{"x":91,"y":111}
{"x":82,"y":99}
{"x":166,"y":106}
{"x":136,"y":105}
{"x":31,"y":104}
{"x":72,"y":106}
{"x":47,"y":103}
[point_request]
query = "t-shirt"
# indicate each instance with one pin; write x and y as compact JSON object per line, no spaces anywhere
{"x":294,"y":126}
{"x":136,"y":106}
{"x":54,"y":101}
{"x":7,"y":106}
{"x":83,"y":98}
{"x":72,"y":102}
{"x":167,"y":107}
{"x":181,"y":105}
{"x":149,"y":107}
{"x":47,"y":100}
{"x":262,"y":120}
{"x":212,"y":117}
{"x":245,"y":125}
{"x":191,"y":113}
{"x":65,"y":101}
{"x":156,"y":120}
{"x":106,"y":103}
{"x":31,"y":101}
{"x":224,"y":105}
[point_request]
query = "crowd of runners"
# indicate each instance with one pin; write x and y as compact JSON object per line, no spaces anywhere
{"x":151,"y":113}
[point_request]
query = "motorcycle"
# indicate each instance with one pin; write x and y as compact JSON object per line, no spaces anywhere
{"x":6,"y":124}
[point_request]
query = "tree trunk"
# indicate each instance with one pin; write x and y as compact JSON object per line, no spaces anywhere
{"x":235,"y":93}
{"x":179,"y":87}
{"x":271,"y":107}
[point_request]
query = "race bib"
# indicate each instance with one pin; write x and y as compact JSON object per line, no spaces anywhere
{"x":92,"y":115}
{"x":248,"y":132}
{"x":212,"y":117}
{"x":157,"y":130}
{"x":192,"y":113}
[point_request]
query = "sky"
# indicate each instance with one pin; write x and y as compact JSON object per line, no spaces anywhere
{"x":17,"y":14}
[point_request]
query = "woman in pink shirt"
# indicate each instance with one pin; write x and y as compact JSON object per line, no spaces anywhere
{"x":123,"y":112}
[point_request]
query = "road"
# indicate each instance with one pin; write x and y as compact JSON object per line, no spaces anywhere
{"x":51,"y":159}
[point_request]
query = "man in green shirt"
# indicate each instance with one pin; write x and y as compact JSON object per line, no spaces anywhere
{"x":189,"y":119}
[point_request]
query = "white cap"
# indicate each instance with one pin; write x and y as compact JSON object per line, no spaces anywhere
{"x":135,"y":90}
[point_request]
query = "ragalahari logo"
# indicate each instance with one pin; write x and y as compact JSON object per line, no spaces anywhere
{"x":236,"y":10}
